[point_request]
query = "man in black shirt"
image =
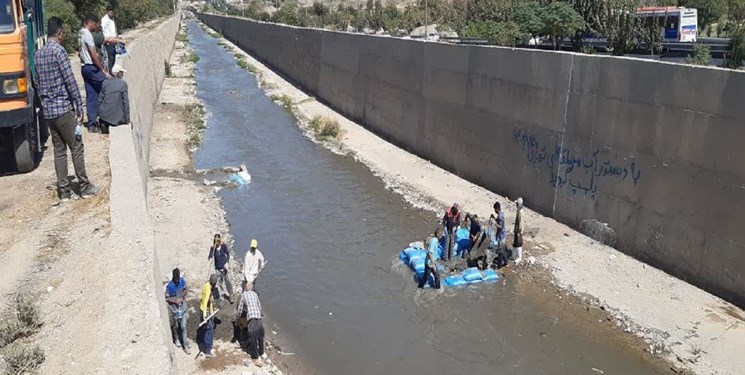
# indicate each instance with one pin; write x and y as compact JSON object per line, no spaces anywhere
{"x":219,"y":251}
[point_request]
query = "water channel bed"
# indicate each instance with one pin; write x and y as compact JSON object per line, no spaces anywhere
{"x":332,"y":232}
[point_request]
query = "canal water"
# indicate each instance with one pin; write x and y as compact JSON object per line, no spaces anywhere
{"x":331,"y":234}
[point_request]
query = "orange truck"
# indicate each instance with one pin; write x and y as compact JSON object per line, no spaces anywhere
{"x":21,"y":33}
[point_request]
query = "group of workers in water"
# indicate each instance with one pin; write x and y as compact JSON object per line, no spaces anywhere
{"x":247,"y":326}
{"x":481,"y":244}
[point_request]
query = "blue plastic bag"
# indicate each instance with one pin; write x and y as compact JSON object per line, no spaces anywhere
{"x":472,"y":275}
{"x":490,"y":276}
{"x":417,"y":264}
{"x":455,"y":280}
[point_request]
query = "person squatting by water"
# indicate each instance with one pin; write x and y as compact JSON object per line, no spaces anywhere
{"x":206,"y":330}
{"x":478,"y":254}
{"x":176,"y":291}
{"x":219,"y":252}
{"x":430,"y":264}
{"x":462,"y":242}
{"x":248,"y":317}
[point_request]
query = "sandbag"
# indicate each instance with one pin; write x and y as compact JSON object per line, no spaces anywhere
{"x":472,"y":275}
{"x":417,"y":264}
{"x":412,"y":252}
{"x":455,"y":280}
{"x":490,"y":276}
{"x":417,"y":245}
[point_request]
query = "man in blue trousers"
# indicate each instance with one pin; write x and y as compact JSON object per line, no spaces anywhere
{"x":93,"y":71}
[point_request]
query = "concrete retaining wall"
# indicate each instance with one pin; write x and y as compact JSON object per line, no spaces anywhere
{"x":649,"y":148}
{"x":140,"y":304}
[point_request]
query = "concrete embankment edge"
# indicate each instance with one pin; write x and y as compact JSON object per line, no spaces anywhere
{"x":648,"y":148}
{"x":138,"y":303}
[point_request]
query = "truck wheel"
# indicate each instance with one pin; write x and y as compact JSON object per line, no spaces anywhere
{"x":24,"y":151}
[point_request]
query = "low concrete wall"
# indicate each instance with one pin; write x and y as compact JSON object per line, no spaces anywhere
{"x":649,"y":148}
{"x":131,"y":236}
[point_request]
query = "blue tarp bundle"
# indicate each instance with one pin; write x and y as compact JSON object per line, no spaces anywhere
{"x":472,"y":276}
{"x":415,"y":258}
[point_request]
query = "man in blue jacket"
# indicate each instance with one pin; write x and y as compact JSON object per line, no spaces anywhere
{"x":219,"y":251}
{"x":176,"y":298}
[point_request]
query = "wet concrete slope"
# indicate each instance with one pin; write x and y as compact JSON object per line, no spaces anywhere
{"x":331,"y":233}
{"x":650,"y":148}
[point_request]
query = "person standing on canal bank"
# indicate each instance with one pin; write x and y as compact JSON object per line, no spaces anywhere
{"x":253,"y":263}
{"x":451,"y":221}
{"x":517,"y":243}
{"x":498,"y":237}
{"x":93,"y":71}
{"x":108,"y":27}
{"x":62,"y":108}
{"x":219,"y":251}
{"x":248,"y":317}
{"x":206,"y":330}
{"x":430,"y":265}
{"x":176,"y":298}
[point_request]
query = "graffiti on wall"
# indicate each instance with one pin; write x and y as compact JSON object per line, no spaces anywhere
{"x":577,"y":172}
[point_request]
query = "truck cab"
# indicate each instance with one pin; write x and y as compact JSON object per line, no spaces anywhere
{"x":21,"y":33}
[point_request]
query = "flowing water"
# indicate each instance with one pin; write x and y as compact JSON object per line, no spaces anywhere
{"x":331,"y":233}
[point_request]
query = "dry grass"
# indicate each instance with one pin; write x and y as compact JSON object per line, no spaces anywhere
{"x":325,"y":128}
{"x":22,"y":321}
{"x":22,"y":359}
{"x":193,"y":116}
{"x":285,"y":101}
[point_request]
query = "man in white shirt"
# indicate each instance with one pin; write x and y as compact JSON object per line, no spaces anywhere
{"x":253,"y":263}
{"x":93,"y":72}
{"x":111,"y":38}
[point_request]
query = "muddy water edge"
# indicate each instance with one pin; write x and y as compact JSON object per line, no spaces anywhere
{"x":331,"y":232}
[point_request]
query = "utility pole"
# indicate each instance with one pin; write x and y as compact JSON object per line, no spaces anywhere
{"x":426,"y":21}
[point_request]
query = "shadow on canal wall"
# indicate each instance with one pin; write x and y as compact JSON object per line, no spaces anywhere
{"x":652,"y":149}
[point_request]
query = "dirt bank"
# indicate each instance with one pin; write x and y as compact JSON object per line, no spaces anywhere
{"x":185,"y":214}
{"x":669,"y":319}
{"x":63,"y":257}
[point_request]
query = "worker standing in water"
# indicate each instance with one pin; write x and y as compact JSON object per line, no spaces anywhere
{"x":430,"y":265}
{"x":451,"y":221}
